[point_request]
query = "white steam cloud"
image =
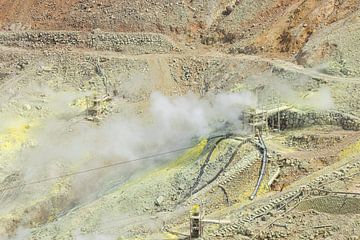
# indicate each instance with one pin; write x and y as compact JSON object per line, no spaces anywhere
{"x":319,"y":99}
{"x":301,"y":92}
{"x":64,"y":146}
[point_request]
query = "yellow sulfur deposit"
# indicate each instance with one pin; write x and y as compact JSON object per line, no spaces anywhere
{"x":81,"y":103}
{"x":248,"y":190}
{"x":351,"y":150}
{"x":170,"y":236}
{"x":12,"y":137}
{"x":190,"y":155}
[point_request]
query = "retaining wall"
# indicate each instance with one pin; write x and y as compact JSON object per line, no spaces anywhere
{"x":119,"y":42}
{"x":298,"y":119}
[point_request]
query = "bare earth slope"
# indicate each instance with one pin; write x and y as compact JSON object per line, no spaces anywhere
{"x":274,"y":28}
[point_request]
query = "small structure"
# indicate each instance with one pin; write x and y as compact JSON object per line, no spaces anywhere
{"x":196,"y":228}
{"x":197,"y":222}
{"x":95,"y":107}
{"x":262,"y":119}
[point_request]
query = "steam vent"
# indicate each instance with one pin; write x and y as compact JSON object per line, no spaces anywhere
{"x":180,"y":119}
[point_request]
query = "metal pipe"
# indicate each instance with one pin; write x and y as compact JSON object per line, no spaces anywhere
{"x":216,"y":221}
{"x":263,"y":166}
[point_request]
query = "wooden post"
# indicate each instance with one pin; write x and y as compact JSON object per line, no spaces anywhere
{"x":279,"y":125}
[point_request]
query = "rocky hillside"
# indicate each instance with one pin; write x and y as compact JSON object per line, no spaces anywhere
{"x":307,"y":31}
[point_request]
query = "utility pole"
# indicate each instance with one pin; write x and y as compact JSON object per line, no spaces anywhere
{"x":278,"y":115}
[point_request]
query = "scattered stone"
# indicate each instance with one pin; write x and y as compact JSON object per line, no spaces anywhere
{"x":27,"y":107}
{"x":159,"y":201}
{"x":228,"y":10}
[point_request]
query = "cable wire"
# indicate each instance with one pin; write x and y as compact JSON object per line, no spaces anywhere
{"x":97,"y":168}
